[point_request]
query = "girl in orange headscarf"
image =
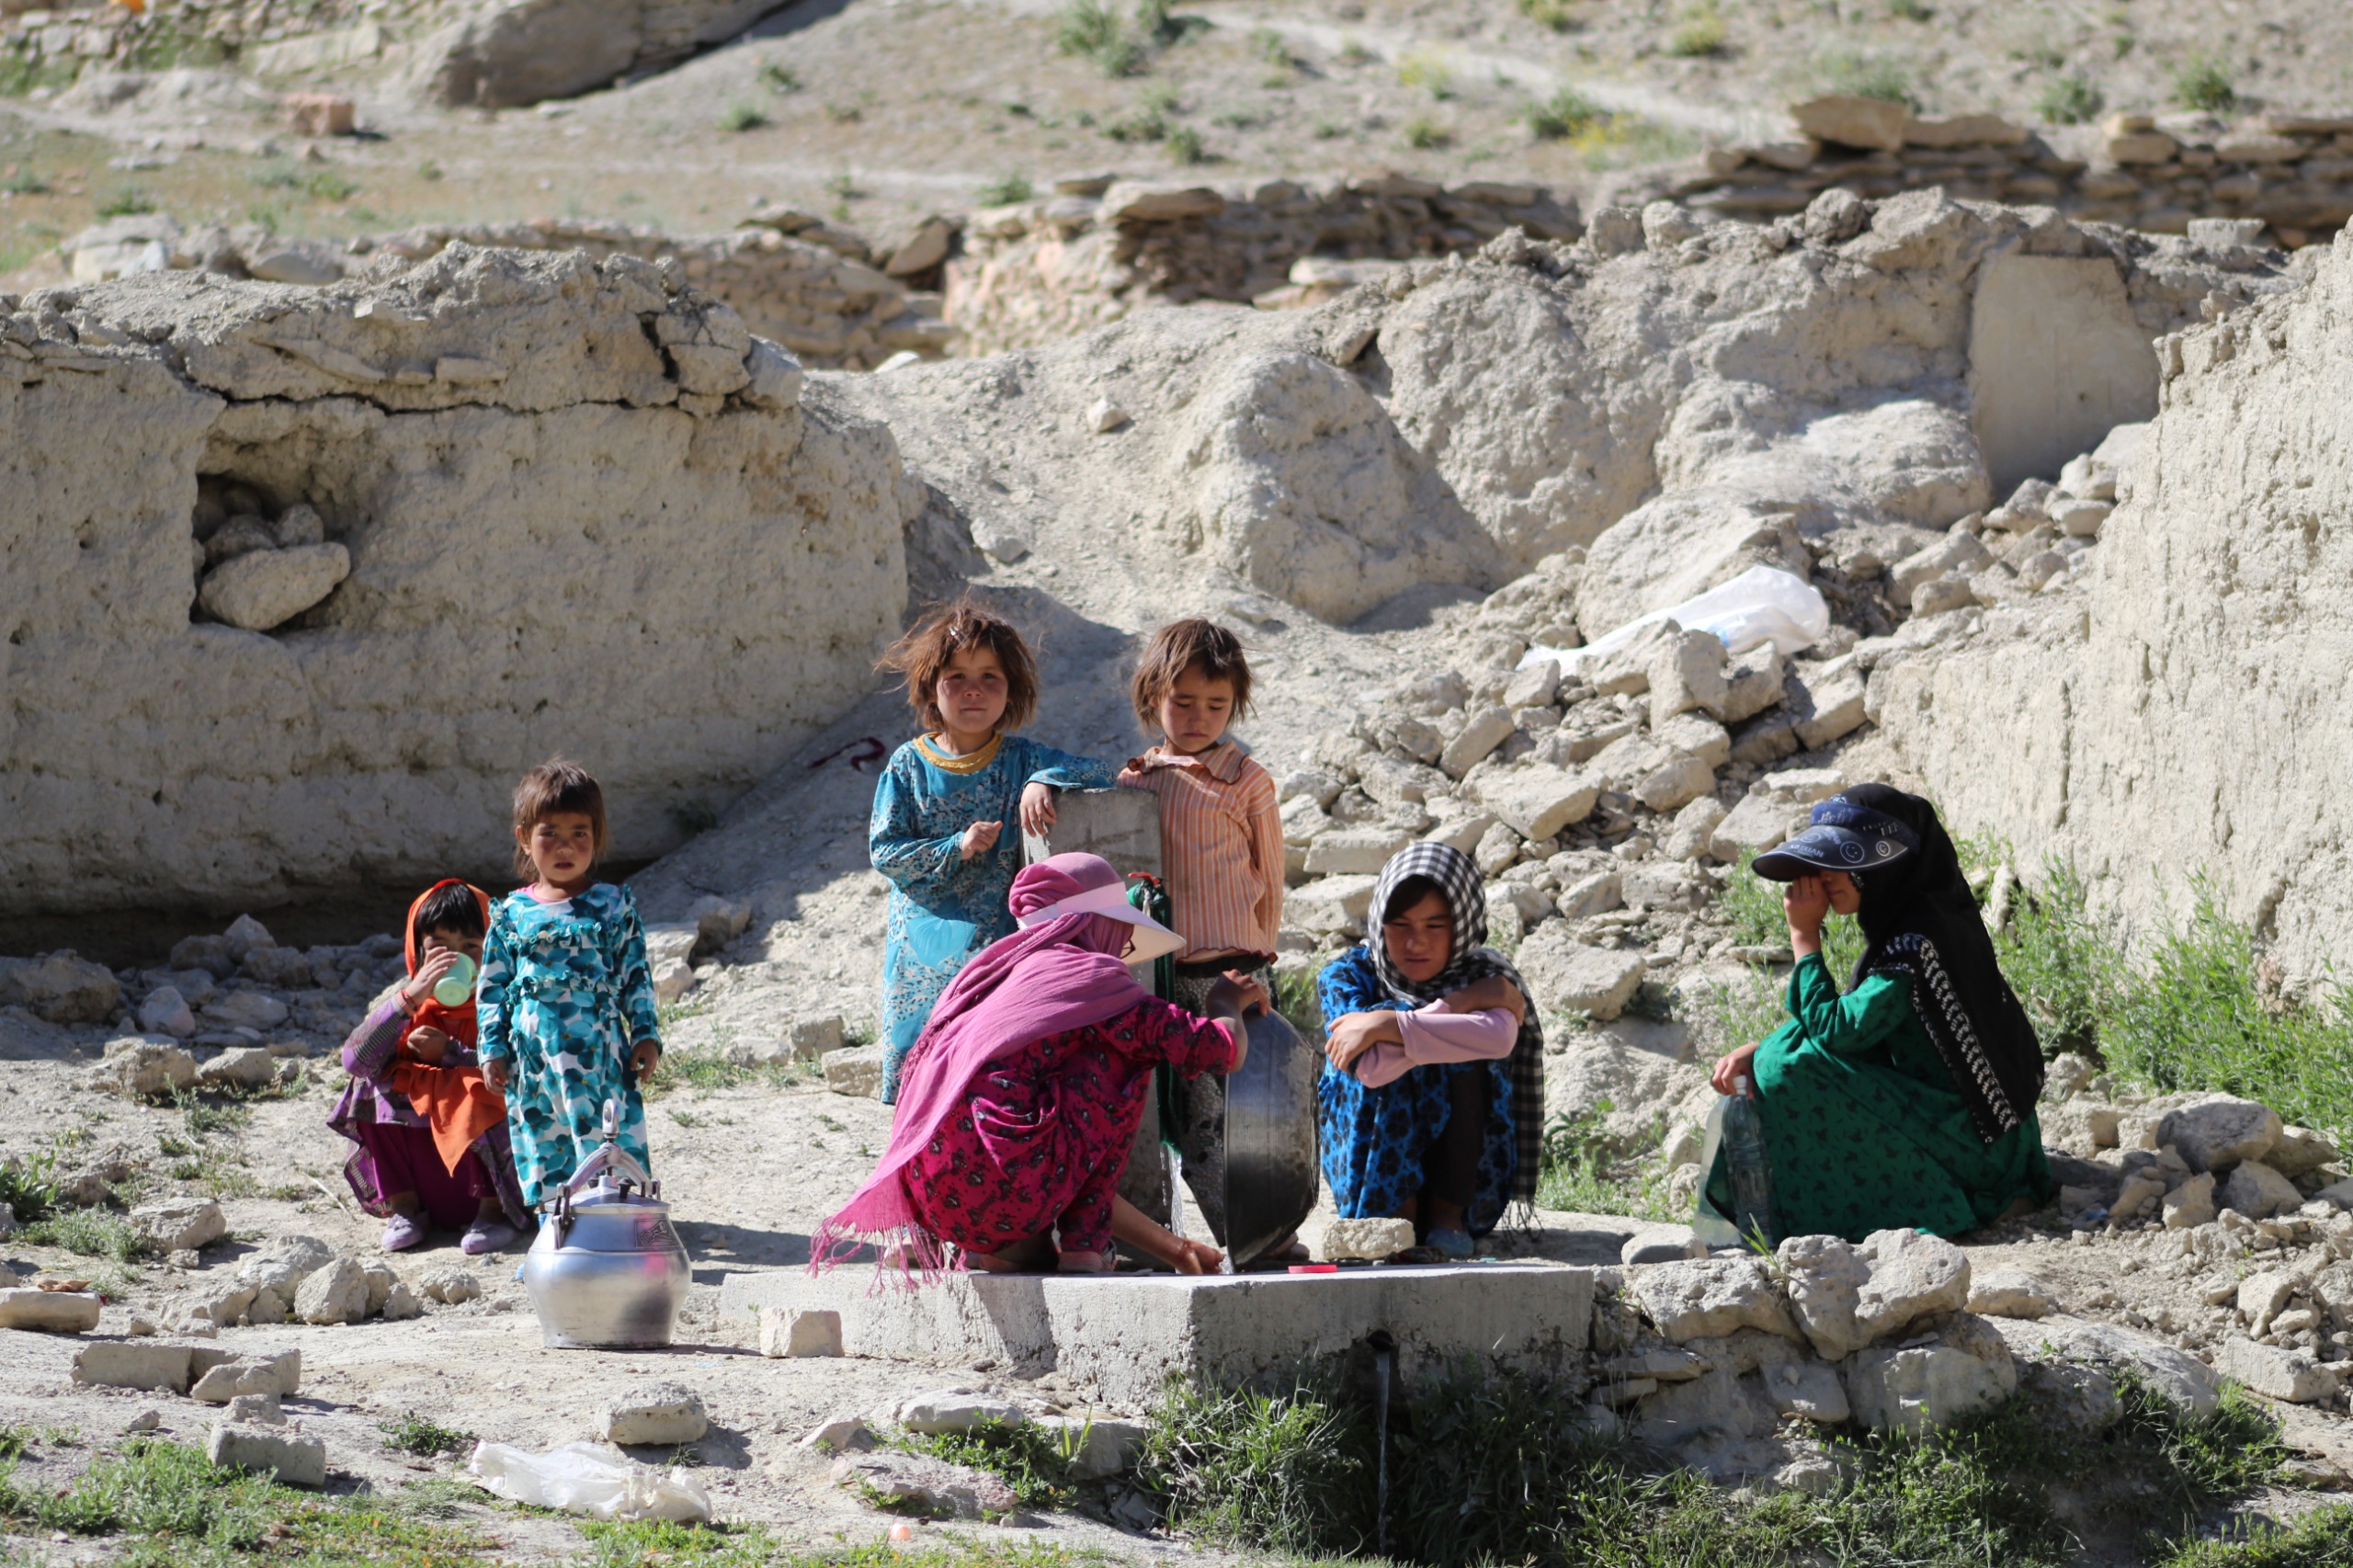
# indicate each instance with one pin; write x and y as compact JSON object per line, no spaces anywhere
{"x":431,"y":1135}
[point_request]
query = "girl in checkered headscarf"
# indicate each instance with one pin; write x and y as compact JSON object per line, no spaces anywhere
{"x":1431,"y":1101}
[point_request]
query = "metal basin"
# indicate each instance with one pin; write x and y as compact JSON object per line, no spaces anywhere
{"x":1270,"y":1154}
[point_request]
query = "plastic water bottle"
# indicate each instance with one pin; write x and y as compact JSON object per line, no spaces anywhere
{"x":456,"y":988}
{"x":1751,"y":1174}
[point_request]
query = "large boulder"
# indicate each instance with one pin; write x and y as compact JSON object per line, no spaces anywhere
{"x":1917,"y":1388}
{"x":519,"y":52}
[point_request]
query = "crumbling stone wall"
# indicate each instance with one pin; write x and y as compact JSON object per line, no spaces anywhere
{"x":792,"y":278}
{"x":2293,"y":172}
{"x":551,"y":503}
{"x":1098,"y":249}
{"x":2189,"y":714}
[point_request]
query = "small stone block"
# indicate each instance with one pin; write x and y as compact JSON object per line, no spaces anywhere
{"x":786,"y":1331}
{"x":297,"y":1461}
{"x":660,"y":1414}
{"x":50,"y":1311}
{"x":254,"y":1410}
{"x":1372,"y":1239}
{"x":110,"y":1363}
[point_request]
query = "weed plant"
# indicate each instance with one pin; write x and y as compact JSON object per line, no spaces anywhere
{"x":1489,"y":1465}
{"x":91,"y":1232}
{"x":1184,"y":145}
{"x":1005,"y":190}
{"x":1424,"y":134}
{"x":1565,"y":114}
{"x":2070,"y":100}
{"x":1701,"y":35}
{"x":1090,"y":29}
{"x":1583,"y":1173}
{"x":126,"y":203}
{"x":1295,"y":999}
{"x":781,"y":79}
{"x":742,"y":117}
{"x":2203,"y":82}
{"x":2323,"y":1538}
{"x":1558,"y":14}
{"x":1910,"y":10}
{"x":1027,"y":1458}
{"x":1429,"y":72}
{"x":1866,"y":77}
{"x":29,"y":1183}
{"x":423,"y":1437}
{"x":1286,"y":1472}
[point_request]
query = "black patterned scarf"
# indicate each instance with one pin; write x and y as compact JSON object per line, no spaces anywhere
{"x":1920,"y":919}
{"x":1470,"y":961}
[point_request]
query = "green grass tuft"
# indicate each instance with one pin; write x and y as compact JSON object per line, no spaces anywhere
{"x":28,"y":1183}
{"x":423,"y":1437}
{"x":1583,"y":1172}
{"x":1289,"y":1472}
{"x":91,"y":1232}
{"x":1558,"y":14}
{"x":1186,"y":146}
{"x":780,"y":78}
{"x":1092,"y":30}
{"x":1565,"y":114}
{"x":1424,"y":134}
{"x":1867,"y":77}
{"x":1005,"y":190}
{"x":126,"y":203}
{"x":1701,"y":35}
{"x":2070,"y":100}
{"x":2323,"y":1538}
{"x":2203,"y":82}
{"x":1026,"y":1457}
{"x":742,"y":117}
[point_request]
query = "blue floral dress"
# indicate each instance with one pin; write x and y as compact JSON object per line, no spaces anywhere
{"x":566,"y":993}
{"x":943,"y":908}
{"x":1374,"y":1140}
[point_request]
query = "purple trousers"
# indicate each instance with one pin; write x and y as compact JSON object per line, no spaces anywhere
{"x":391,"y":1160}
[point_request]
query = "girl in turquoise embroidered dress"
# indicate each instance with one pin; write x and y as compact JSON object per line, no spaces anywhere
{"x":944,"y":829}
{"x":566,"y":1006}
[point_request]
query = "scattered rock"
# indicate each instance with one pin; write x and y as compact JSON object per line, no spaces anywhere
{"x":2218,"y":1132}
{"x":220,"y":1376}
{"x":254,"y":1409}
{"x":164,"y":1011}
{"x":840,"y":1432}
{"x":926,"y":1485}
{"x":660,"y":1414}
{"x":1825,"y":1277}
{"x":147,"y":1420}
{"x":1373,"y":1239}
{"x":1809,"y":1390}
{"x":2190,"y":1204}
{"x":1919,"y":1388}
{"x":178,"y":1225}
{"x":1103,"y":416}
{"x":452,"y":1287}
{"x":61,"y":987}
{"x":143,"y":1069}
{"x":336,"y":1293}
{"x":2289,"y":1376}
{"x":854,"y":1070}
{"x":1912,"y":1277}
{"x":2258,"y":1192}
{"x":954,"y":1410}
{"x":50,"y":1312}
{"x":294,"y":1460}
{"x":1568,"y":976}
{"x":113,"y":1364}
{"x":244,"y":1067}
{"x":1711,"y":1297}
{"x":794,"y":1332}
{"x":245,"y":1010}
{"x":2010,"y":1293}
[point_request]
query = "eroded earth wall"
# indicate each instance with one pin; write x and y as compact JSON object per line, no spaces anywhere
{"x":2193,"y":716}
{"x":296,"y":580}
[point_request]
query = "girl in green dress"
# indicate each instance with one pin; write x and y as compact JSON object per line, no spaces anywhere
{"x":1907,"y":1102}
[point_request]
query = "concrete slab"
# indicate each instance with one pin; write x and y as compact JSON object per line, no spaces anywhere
{"x":1128,"y":1334}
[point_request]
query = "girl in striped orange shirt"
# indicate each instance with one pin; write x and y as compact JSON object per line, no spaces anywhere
{"x":1220,"y":848}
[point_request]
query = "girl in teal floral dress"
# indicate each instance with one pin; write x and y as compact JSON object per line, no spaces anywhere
{"x":944,"y":829}
{"x":567,"y":1004}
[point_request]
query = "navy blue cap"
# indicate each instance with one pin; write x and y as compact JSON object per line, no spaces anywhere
{"x":1844,"y":838}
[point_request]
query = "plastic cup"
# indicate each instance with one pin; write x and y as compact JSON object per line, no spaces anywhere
{"x":456,"y":988}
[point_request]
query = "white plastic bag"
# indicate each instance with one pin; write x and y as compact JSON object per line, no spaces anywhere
{"x":1763,"y":604}
{"x":586,"y":1478}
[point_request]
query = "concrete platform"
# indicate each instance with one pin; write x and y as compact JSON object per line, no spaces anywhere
{"x":1128,"y":1334}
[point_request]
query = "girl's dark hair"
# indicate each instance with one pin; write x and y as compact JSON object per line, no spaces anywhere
{"x":1409,"y":893}
{"x":453,"y":908}
{"x":1184,"y":645}
{"x":948,"y":629}
{"x":558,"y":784}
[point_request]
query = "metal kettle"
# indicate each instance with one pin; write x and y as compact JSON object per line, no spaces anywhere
{"x":608,"y":1270}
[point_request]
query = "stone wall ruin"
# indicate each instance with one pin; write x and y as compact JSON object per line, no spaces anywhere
{"x":551,"y":503}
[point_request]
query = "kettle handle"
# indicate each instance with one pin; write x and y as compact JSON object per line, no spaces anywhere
{"x":611,"y":1156}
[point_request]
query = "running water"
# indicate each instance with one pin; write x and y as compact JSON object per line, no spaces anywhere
{"x":1383,"y":1353}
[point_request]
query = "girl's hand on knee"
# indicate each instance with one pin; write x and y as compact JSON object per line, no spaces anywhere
{"x":1732,"y":1066}
{"x":645,"y":1059}
{"x":430,"y":1045}
{"x":980,"y":838}
{"x":1036,"y":808}
{"x":496,"y":1072}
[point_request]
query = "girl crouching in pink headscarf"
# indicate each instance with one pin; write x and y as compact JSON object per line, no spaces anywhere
{"x":1018,"y":1101}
